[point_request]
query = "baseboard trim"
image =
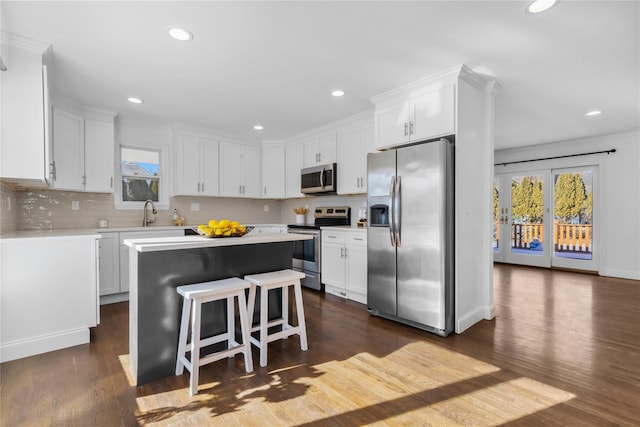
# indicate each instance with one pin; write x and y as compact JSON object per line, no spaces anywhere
{"x":113,"y":298}
{"x":469,"y":319}
{"x":43,"y":344}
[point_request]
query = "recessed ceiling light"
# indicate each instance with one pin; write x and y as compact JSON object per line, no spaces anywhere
{"x":135,"y":100}
{"x":337,"y":93}
{"x":258,"y":127}
{"x":538,"y":6}
{"x":594,"y":113}
{"x":180,"y":34}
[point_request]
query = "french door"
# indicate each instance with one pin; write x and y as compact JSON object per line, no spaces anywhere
{"x":546,"y":218}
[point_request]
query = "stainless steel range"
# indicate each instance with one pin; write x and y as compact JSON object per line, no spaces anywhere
{"x":306,"y":253}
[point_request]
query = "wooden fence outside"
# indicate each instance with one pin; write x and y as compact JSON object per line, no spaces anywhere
{"x":566,"y":237}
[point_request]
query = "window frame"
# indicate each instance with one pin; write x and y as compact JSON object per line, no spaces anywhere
{"x":163,"y":177}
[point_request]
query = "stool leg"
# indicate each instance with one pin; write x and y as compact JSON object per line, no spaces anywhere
{"x":195,"y":347}
{"x":301,"y":323}
{"x":182,"y":339}
{"x":245,"y":327}
{"x":231,"y":324}
{"x":250,"y":305}
{"x":285,"y":309}
{"x":264,"y":320}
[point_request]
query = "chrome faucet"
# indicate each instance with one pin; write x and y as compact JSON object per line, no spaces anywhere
{"x":145,"y":219}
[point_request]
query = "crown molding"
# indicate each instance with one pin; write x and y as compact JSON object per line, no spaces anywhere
{"x":17,"y":40}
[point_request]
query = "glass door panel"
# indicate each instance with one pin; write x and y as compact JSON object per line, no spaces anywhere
{"x":523,"y":237}
{"x":573,"y":218}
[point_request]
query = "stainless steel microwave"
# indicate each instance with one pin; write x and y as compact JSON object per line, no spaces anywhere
{"x":319,"y":179}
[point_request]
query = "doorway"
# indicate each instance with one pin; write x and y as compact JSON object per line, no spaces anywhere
{"x":546,"y":218}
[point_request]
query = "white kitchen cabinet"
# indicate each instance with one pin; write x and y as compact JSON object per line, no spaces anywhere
{"x":109,"y":263}
{"x":49,"y":293}
{"x":25,"y":132}
{"x":353,"y":145}
{"x":320,"y":150}
{"x":99,"y":152}
{"x":83,"y":153}
{"x":344,"y":264}
{"x":294,"y":155}
{"x":68,"y":150}
{"x":273,"y":171}
{"x":196,"y":167}
{"x":239,"y":170}
{"x":418,"y":118}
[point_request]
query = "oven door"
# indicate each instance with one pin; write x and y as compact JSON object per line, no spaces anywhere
{"x":306,"y":253}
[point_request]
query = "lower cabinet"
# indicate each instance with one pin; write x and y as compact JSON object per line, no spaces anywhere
{"x":49,"y":293}
{"x":114,"y":261}
{"x":344,"y":263}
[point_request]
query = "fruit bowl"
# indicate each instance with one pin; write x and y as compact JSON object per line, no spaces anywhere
{"x":216,"y":233}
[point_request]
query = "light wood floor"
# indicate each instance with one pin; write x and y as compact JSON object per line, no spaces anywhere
{"x":564,"y":349}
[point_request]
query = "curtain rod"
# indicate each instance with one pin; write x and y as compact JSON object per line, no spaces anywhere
{"x":613,"y":150}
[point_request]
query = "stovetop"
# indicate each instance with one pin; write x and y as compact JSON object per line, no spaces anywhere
{"x":327,"y":216}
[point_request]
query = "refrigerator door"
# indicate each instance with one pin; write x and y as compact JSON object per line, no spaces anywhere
{"x":421,"y":277}
{"x":381,"y":253}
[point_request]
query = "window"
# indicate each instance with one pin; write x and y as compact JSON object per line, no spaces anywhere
{"x":142,"y":177}
{"x":140,"y":174}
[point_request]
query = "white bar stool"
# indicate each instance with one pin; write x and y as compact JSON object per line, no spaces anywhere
{"x":273,"y":280}
{"x":194,"y":296}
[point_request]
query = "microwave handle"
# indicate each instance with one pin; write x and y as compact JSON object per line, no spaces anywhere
{"x":322,"y":178}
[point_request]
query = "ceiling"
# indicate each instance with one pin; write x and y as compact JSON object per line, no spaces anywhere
{"x":276,"y":63}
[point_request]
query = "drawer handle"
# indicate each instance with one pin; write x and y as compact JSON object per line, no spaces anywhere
{"x":358,"y":238}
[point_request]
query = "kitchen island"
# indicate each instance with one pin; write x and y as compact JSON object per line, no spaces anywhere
{"x":159,"y":265}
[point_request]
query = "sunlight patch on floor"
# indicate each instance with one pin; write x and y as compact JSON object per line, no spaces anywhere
{"x":416,"y":384}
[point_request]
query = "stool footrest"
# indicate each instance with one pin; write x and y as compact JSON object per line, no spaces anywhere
{"x":275,"y":322}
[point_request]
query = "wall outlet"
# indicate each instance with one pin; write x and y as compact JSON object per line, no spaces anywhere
{"x":195,"y":207}
{"x":266,"y":208}
{"x":75,"y":205}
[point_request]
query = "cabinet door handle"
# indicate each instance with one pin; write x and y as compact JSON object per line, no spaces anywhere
{"x":202,"y":187}
{"x":341,"y":252}
{"x":406,"y":128}
{"x":111,"y":185}
{"x":239,"y":189}
{"x":319,"y":157}
{"x":411,"y":128}
{"x":198,"y":187}
{"x":265,"y":190}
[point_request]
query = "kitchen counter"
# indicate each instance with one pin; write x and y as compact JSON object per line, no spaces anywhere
{"x":64,"y":233}
{"x":192,"y":242}
{"x":157,"y":266}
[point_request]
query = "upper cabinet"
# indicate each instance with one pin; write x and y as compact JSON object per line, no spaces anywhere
{"x":353,"y":145}
{"x":83,"y":152}
{"x":320,"y":150}
{"x":420,"y":117}
{"x":273,"y":171}
{"x":294,"y":159}
{"x":239,"y":170}
{"x":26,"y":147}
{"x":196,"y":166}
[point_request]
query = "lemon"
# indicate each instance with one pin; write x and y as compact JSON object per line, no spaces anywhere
{"x":213,"y":223}
{"x":201,"y":227}
{"x":234,"y":224}
{"x":224,"y":223}
{"x":217,"y":231}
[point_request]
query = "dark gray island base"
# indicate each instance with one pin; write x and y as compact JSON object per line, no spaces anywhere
{"x":155,"y":306}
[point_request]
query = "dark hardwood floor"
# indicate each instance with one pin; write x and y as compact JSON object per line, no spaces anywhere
{"x":563,"y":350}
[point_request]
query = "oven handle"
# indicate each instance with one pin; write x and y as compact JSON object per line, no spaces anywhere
{"x":313,"y":232}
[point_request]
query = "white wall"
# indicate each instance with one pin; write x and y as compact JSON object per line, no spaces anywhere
{"x":619,"y":199}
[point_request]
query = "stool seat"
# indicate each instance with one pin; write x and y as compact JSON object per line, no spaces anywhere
{"x":194,"y":296}
{"x":274,"y":280}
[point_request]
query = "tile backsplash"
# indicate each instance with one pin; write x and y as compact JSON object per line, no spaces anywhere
{"x":52,"y":209}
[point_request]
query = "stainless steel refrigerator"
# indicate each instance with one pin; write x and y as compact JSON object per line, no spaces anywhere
{"x":411,"y":235}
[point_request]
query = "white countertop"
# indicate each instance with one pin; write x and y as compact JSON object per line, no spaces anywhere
{"x":191,"y":242}
{"x":47,"y":234}
{"x":77,"y":232}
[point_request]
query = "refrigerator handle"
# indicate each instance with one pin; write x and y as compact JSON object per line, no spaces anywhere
{"x":397,"y":217}
{"x":392,"y":216}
